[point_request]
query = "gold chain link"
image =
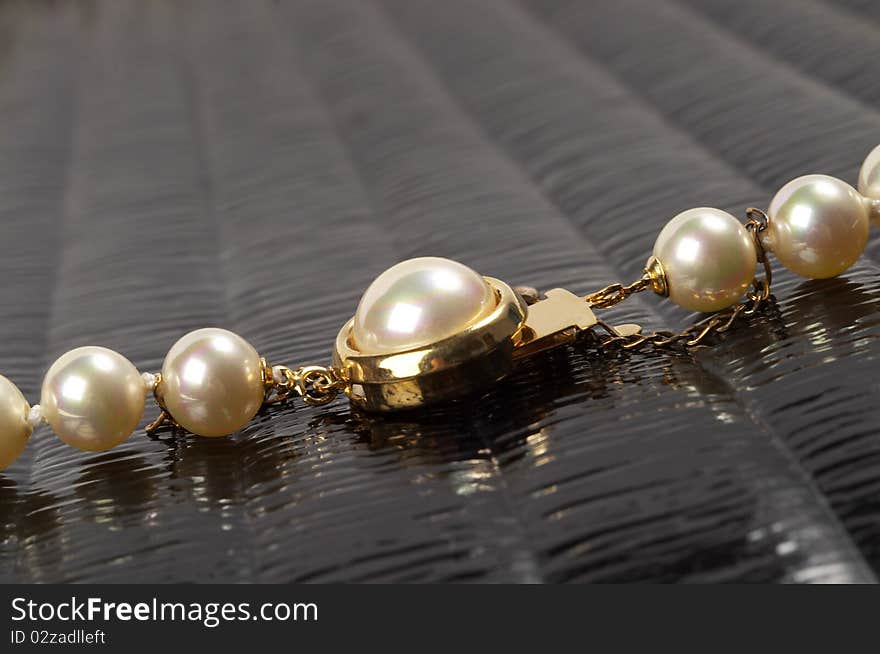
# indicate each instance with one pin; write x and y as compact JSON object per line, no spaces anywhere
{"x":695,"y":334}
{"x":316,"y":385}
{"x":616,"y":293}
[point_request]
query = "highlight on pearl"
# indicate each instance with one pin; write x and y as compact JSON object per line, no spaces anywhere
{"x":418,"y":302}
{"x":211,"y":382}
{"x":818,"y":226}
{"x":708,"y":258}
{"x":869,"y":183}
{"x":93,"y":398}
{"x":15,"y":430}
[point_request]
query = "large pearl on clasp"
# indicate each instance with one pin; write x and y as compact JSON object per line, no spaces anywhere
{"x":93,"y":398}
{"x":708,"y":259}
{"x":818,"y":226}
{"x":14,"y":427}
{"x":212,"y":382}
{"x":419,"y":302}
{"x":869,"y":183}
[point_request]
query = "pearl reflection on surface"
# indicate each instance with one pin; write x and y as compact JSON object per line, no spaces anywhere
{"x":212,"y":383}
{"x":818,"y":226}
{"x":93,"y":398}
{"x":418,"y":302}
{"x":708,"y":258}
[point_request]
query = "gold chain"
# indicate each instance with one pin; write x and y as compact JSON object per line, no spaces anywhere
{"x":316,"y":385}
{"x":696,"y":333}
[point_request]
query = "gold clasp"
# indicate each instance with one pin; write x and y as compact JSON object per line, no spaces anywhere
{"x":557,"y":319}
{"x":484,"y":351}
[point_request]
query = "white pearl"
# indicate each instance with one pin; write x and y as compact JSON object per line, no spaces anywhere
{"x":212,"y":383}
{"x":93,"y":398}
{"x":708,"y":257}
{"x":14,"y":427}
{"x":818,"y":226}
{"x":869,"y":183}
{"x":419,"y":302}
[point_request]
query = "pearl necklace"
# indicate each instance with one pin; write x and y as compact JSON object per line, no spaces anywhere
{"x":431,"y":329}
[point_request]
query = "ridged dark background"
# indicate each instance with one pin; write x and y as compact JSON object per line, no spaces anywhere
{"x":171,"y":165}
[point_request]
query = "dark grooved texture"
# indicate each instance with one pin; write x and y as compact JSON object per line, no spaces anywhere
{"x":171,"y":165}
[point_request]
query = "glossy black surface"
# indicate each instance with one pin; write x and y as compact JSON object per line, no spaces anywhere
{"x":171,"y":165}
